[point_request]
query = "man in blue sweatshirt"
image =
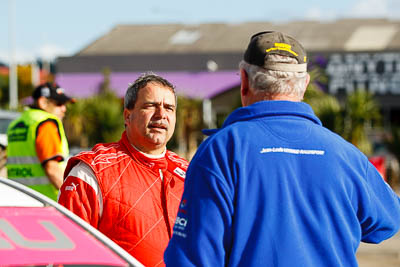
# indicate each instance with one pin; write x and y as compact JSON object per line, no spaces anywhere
{"x":273,"y":187}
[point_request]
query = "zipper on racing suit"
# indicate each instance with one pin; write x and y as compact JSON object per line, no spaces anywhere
{"x":164,"y":198}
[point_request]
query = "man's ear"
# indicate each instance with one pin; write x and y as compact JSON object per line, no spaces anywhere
{"x":244,"y":86}
{"x":307,"y":79}
{"x":305,"y":86}
{"x":127,"y":115}
{"x":42,"y":103}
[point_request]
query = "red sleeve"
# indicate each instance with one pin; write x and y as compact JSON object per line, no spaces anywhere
{"x":80,"y":198}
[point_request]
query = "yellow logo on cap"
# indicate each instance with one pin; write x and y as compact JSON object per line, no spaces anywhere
{"x":282,"y":46}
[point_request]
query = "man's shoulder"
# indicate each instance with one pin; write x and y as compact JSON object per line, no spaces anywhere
{"x":176,"y":159}
{"x":102,"y":155}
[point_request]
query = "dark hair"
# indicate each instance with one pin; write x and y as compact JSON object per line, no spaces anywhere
{"x":142,"y":81}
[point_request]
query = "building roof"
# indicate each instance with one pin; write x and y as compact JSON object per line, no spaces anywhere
{"x":211,"y":47}
{"x":202,"y":60}
{"x":341,"y":35}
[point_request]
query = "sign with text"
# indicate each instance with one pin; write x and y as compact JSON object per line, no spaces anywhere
{"x":378,"y":73}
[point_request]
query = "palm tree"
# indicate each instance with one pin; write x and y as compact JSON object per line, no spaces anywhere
{"x":360,"y":113}
{"x":188,"y":127}
{"x":96,"y":119}
{"x":350,"y":120}
{"x":325,"y":106}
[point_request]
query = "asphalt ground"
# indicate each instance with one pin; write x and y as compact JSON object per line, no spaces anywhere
{"x":385,"y":254}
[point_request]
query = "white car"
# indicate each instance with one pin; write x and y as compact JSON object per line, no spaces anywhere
{"x":36,"y":231}
{"x":6,"y":117}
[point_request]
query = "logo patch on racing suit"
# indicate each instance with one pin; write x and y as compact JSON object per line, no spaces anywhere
{"x":71,"y":187}
{"x":180,"y":172}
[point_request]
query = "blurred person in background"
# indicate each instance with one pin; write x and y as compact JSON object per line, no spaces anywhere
{"x":273,"y":187}
{"x":37,"y":146}
{"x":130,"y":190}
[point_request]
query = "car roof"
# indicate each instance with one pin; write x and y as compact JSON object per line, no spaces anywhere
{"x":9,"y":114}
{"x":13,"y":197}
{"x":35,"y":230}
{"x":6,"y":117}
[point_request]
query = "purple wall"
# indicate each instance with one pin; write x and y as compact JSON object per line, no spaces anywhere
{"x":189,"y":84}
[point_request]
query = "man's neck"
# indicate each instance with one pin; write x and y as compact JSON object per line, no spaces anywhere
{"x":285,"y":98}
{"x":254,"y":96}
{"x":151,"y":155}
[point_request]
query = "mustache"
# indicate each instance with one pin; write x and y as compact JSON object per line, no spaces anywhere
{"x":158,"y":124}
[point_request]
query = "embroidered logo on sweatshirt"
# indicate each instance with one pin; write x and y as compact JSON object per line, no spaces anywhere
{"x":182,"y":206}
{"x":292,"y":151}
{"x":179,"y":227}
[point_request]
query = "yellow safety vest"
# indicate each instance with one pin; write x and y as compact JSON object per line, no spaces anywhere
{"x":23,"y":165}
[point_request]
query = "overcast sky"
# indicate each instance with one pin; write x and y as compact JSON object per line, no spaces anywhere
{"x":50,"y":28}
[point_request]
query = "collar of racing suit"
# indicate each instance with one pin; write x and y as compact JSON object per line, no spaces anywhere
{"x":154,"y":163}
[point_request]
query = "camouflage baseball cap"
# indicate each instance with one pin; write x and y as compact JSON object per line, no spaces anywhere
{"x":272,"y":42}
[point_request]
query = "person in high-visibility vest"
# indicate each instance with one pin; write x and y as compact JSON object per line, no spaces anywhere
{"x":37,"y":146}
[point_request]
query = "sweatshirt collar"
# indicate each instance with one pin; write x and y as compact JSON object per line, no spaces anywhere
{"x":269,"y":108}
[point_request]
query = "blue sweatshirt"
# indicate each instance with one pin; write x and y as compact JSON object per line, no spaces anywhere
{"x":273,"y":187}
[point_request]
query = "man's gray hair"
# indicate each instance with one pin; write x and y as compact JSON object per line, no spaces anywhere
{"x":276,"y":82}
{"x":142,"y":81}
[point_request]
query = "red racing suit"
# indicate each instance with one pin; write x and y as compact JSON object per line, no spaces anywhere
{"x":139,"y":201}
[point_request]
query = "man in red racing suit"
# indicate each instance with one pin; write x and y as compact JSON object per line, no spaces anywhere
{"x":131,"y":191}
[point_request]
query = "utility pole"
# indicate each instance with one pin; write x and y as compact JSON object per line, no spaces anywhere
{"x":13,"y":78}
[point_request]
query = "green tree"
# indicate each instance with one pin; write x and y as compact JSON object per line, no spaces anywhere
{"x":352,"y":120}
{"x":25,"y":89}
{"x":392,"y":141}
{"x":97,"y":119}
{"x":188,"y":127}
{"x":325,"y":106}
{"x":361,"y":112}
{"x":4,"y":85}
